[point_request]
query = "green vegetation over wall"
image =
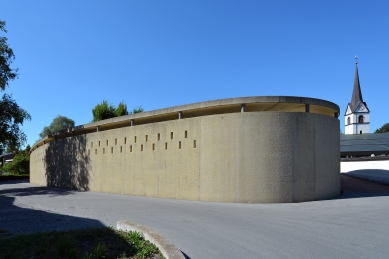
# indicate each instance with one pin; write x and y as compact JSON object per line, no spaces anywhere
{"x":105,"y":110}
{"x":59,"y":123}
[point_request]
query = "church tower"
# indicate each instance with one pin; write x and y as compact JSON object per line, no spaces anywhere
{"x":357,"y":116}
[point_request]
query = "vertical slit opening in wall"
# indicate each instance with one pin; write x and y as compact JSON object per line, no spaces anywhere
{"x":131,"y":148}
{"x":141,"y":147}
{"x":88,"y":152}
{"x":179,"y":144}
{"x":111,"y":150}
{"x":121,"y":149}
{"x":91,"y":144}
{"x":116,"y":141}
{"x":135,"y":139}
{"x":147,"y":138}
{"x":107,"y":142}
{"x":125,"y":141}
{"x":186,"y":134}
{"x":103,"y":151}
{"x":165,"y":145}
{"x":96,"y":151}
{"x":171,"y":135}
{"x":159,"y":136}
{"x":99,"y":142}
{"x":153,"y":146}
{"x":194,"y":143}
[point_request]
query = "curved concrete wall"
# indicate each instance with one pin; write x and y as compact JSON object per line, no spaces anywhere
{"x":250,"y":157}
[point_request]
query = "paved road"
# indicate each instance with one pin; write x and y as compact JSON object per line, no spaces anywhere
{"x":353,"y":226}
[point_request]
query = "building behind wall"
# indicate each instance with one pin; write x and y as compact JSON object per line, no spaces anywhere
{"x":357,"y":116}
{"x":6,"y":158}
{"x":364,"y":145}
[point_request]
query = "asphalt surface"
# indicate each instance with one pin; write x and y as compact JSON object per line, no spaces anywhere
{"x":352,"y":226}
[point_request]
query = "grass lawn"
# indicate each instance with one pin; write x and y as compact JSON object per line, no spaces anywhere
{"x":89,"y":243}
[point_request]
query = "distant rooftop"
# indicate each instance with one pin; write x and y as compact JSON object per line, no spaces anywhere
{"x":364,"y":144}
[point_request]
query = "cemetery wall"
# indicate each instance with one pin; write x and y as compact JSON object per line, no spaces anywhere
{"x":287,"y":154}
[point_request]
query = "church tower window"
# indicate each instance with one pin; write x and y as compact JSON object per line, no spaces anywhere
{"x":360,"y":119}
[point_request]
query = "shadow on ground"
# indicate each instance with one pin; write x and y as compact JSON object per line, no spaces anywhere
{"x":374,"y":175}
{"x":357,"y":188}
{"x":185,"y":255}
{"x":33,"y":190}
{"x":21,"y":219}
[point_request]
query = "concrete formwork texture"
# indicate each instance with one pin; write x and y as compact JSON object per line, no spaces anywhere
{"x":245,"y":150}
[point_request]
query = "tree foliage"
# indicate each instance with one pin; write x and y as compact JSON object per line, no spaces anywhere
{"x":105,"y":110}
{"x":137,"y":110}
{"x":20,"y":164}
{"x":121,"y":110}
{"x":11,"y":115}
{"x":6,"y":58}
{"x":383,"y":129}
{"x":58,"y":123}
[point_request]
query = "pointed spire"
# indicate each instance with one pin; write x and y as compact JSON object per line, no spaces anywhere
{"x":357,"y":94}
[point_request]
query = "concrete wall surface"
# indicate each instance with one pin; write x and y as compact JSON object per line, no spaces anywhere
{"x":250,"y":157}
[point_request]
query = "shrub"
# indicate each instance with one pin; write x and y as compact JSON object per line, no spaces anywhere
{"x":20,"y":164}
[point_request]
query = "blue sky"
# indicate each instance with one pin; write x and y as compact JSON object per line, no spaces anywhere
{"x":73,"y":54}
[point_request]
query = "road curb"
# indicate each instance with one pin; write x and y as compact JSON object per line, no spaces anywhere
{"x":168,"y":249}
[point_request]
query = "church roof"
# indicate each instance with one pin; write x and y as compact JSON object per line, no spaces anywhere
{"x":356,"y":98}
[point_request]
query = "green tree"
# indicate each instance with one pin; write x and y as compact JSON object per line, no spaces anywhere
{"x":58,"y":123}
{"x":20,"y":164}
{"x":137,"y":110}
{"x":6,"y":58}
{"x":104,"y":110}
{"x":11,"y":115}
{"x":121,"y":110}
{"x":383,"y":129}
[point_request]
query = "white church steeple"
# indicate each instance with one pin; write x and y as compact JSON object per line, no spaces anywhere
{"x":357,"y":116}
